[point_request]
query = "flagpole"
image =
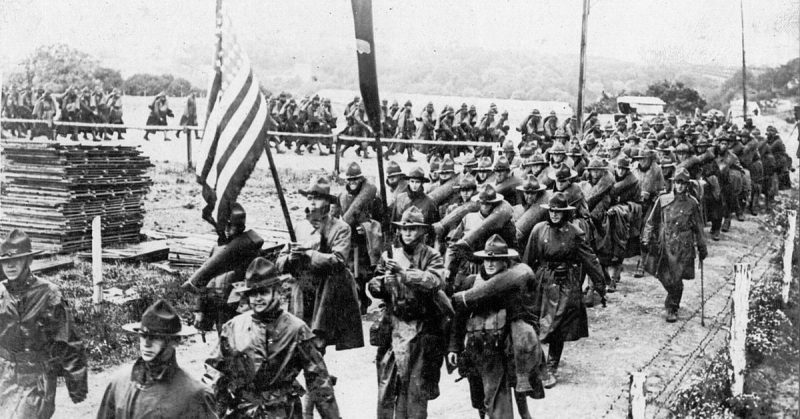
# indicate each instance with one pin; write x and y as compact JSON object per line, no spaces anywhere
{"x":585,"y":23}
{"x":281,"y":198}
{"x":744,"y":66}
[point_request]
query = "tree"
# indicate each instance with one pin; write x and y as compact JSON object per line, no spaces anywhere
{"x":108,"y":77}
{"x":56,"y":67}
{"x":679,"y":97}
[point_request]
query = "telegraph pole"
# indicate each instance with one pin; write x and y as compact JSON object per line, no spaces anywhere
{"x":585,"y":23}
{"x":744,"y":66}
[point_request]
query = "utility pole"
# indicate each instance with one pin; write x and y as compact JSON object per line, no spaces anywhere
{"x":585,"y":23}
{"x":744,"y":66}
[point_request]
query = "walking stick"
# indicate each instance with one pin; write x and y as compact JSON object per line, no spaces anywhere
{"x":702,"y":297}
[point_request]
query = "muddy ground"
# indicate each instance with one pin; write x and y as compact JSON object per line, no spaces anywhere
{"x":629,"y":335}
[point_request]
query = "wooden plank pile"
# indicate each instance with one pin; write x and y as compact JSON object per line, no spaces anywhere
{"x":53,"y":190}
{"x":191,"y":250}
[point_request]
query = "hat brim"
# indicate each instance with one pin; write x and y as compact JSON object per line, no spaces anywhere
{"x":423,"y":179}
{"x":407,"y":224}
{"x":315,"y":194}
{"x":572,"y":175}
{"x":446,"y":171}
{"x":345,"y":177}
{"x":523,"y":189}
{"x":485,"y":255}
{"x":264,"y":283}
{"x":567,"y":208}
{"x":20,"y":255}
{"x":136,"y":327}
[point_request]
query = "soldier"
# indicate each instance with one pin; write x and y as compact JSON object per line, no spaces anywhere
{"x":37,"y":340}
{"x":535,"y":165}
{"x":426,"y":126}
{"x":651,"y":183}
{"x":557,"y":157}
{"x":254,"y":369}
{"x":396,"y":181}
{"x":671,"y":232}
{"x":409,"y":366}
{"x":443,"y":192}
{"x":46,"y":109}
{"x":590,"y":145}
{"x":731,"y":181}
{"x":159,"y":112}
{"x":226,"y":265}
{"x":462,"y":205}
{"x":559,"y":254}
{"x":493,"y":333}
{"x":506,"y":182}
{"x":157,"y":386}
{"x":531,"y":128}
{"x":703,"y":166}
{"x":114,"y":105}
{"x":189,"y":117}
{"x":416,"y":196}
{"x":783,"y":162}
{"x":668,"y":170}
{"x":625,"y":214}
{"x":483,"y":172}
{"x":361,"y":207}
{"x":613,"y":148}
{"x":769,"y":182}
{"x":434,"y":164}
{"x":751,"y":161}
{"x":405,"y":131}
{"x":530,"y":212}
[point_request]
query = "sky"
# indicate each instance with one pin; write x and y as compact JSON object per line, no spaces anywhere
{"x":175,"y":36}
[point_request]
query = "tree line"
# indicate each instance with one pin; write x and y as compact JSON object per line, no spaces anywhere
{"x":58,"y":66}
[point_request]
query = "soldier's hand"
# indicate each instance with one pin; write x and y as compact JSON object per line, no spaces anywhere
{"x":393,"y":266}
{"x":458,"y":301}
{"x":702,"y":252}
{"x":452,"y":358}
{"x":360,"y":230}
{"x":374,"y":286}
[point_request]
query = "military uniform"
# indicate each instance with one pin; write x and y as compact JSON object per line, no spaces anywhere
{"x":671,"y":232}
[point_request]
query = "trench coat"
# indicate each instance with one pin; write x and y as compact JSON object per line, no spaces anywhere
{"x":559,"y":256}
{"x":38,"y":343}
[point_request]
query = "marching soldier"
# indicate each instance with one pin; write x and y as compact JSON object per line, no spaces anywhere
{"x":673,"y":229}
{"x":159,"y":112}
{"x":157,"y":386}
{"x":254,"y":369}
{"x":37,"y":340}
{"x":462,"y":205}
{"x":483,"y":172}
{"x":361,"y":207}
{"x":395,"y":181}
{"x":531,"y":211}
{"x":443,"y":192}
{"x":505,"y":182}
{"x":651,"y":183}
{"x":409,"y":365}
{"x":559,"y":254}
{"x":731,"y":181}
{"x":625,"y":195}
{"x":226,"y":265}
{"x":416,"y":197}
{"x":493,"y":339}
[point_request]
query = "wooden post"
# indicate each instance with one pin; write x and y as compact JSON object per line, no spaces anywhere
{"x":638,"y":397}
{"x":189,"y":165}
{"x":744,"y":66}
{"x":741,"y":293}
{"x":97,"y":260}
{"x":337,"y":156}
{"x":788,"y":251}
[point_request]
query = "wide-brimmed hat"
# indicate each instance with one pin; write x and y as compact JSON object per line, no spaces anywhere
{"x":434,"y":165}
{"x":501,"y":164}
{"x":484,"y":165}
{"x":664,"y":146}
{"x":702,"y":143}
{"x":160,"y":319}
{"x":597,"y":164}
{"x":412,"y":217}
{"x":471,"y":163}
{"x":496,"y":248}
{"x":613,"y":144}
{"x":623,"y":163}
{"x":448,"y":166}
{"x":590,"y":140}
{"x":575,"y":151}
{"x":466,"y":182}
{"x":393,"y":169}
{"x":558,"y":203}
{"x":536,"y":159}
{"x":557,"y":148}
{"x":608,"y":127}
{"x":319,"y":188}
{"x":419,"y":174}
{"x":17,"y":244}
{"x":508,"y":146}
{"x":645,"y":154}
{"x":666,"y":162}
{"x":563,"y":173}
{"x":531,"y":185}
{"x":238,"y":216}
{"x":353,"y":172}
{"x":560,"y":133}
{"x":681,"y":175}
{"x":488,"y":195}
{"x":261,"y":273}
{"x":683,"y":148}
{"x":526,"y":151}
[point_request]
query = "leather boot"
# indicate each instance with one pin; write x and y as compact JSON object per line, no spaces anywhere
{"x":726,"y":224}
{"x":672,"y":315}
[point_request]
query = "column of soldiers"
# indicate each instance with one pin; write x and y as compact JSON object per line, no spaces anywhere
{"x":485,"y":266}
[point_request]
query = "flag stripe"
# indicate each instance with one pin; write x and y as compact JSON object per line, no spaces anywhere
{"x":238,"y":135}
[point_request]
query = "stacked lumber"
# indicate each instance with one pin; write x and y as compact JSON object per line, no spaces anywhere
{"x":191,"y":250}
{"x":53,"y":190}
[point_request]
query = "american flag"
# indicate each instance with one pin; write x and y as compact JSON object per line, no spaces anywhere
{"x":236,"y":127}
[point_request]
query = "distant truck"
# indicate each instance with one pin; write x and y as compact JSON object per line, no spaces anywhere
{"x":640,"y":105}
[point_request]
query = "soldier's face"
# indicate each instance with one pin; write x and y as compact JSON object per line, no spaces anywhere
{"x":261,"y":299}
{"x":233,"y":229}
{"x":445,"y":176}
{"x":502,"y":175}
{"x":644,"y":164}
{"x":493,"y":266}
{"x":415,"y":185}
{"x":466,"y":194}
{"x":680,"y":187}
{"x":562,"y":184}
{"x":317,"y":203}
{"x":392,"y":181}
{"x":723,"y":146}
{"x":558,"y":158}
{"x":556,"y":216}
{"x":596,"y":174}
{"x":410,"y":234}
{"x":150,"y":346}
{"x":13,"y":268}
{"x":530,"y":197}
{"x":621,"y":172}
